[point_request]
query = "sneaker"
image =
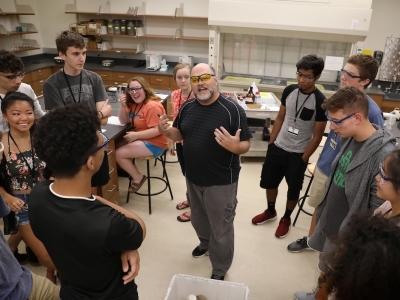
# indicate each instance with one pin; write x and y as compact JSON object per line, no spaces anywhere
{"x":283,"y":228}
{"x":264,"y":217}
{"x":20,"y":257}
{"x":198,"y":252}
{"x":217,"y":277}
{"x":305,"y":296}
{"x":299,"y":245}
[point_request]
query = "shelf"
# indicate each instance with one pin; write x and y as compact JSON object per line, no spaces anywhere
{"x":26,"y":49}
{"x":17,"y":33}
{"x":20,"y":10}
{"x":17,"y":13}
{"x":121,"y":50}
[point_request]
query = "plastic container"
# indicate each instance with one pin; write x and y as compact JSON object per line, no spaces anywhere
{"x":110,"y":27}
{"x":130,"y":28}
{"x":182,"y":286}
{"x":117,"y":28}
{"x":123,"y":27}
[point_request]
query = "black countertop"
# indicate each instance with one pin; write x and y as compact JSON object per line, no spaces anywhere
{"x":37,"y":62}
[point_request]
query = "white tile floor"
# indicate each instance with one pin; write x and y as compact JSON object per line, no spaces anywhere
{"x":261,"y":261}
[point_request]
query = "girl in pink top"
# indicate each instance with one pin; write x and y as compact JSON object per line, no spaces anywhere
{"x":178,"y":97}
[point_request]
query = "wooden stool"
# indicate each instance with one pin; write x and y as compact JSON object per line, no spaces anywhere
{"x":149,"y":177}
{"x":311,"y":169}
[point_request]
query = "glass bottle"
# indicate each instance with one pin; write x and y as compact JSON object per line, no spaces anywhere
{"x":117,"y":28}
{"x":250,"y":97}
{"x":123,"y":27}
{"x":110,"y":27}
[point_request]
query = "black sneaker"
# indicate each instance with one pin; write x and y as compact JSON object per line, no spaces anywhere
{"x":31,"y":256}
{"x":217,"y":277}
{"x":198,"y":252}
{"x":20,"y":257}
{"x":299,"y":245}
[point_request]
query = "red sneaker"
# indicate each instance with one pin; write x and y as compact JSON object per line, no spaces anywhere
{"x":264,"y":217}
{"x":283,"y":228}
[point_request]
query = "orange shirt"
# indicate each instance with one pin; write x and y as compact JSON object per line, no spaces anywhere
{"x":177,"y":101}
{"x":144,"y":116}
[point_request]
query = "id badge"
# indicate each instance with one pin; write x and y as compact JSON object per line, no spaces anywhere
{"x":293,"y":130}
{"x":333,"y":144}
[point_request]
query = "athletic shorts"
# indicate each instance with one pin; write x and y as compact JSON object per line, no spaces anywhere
{"x":279,"y":164}
{"x":157,"y":151}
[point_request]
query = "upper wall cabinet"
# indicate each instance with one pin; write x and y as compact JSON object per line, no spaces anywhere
{"x":12,"y":30}
{"x":167,"y":23}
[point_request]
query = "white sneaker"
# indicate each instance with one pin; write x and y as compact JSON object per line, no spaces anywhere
{"x":305,"y":295}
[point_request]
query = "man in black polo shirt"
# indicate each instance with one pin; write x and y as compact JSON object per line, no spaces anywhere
{"x":215,"y":132}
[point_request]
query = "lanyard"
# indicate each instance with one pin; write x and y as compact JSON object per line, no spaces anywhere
{"x":180,"y":98}
{"x":31,"y":170}
{"x":301,"y":107}
{"x":135,"y":113}
{"x":69,"y":86}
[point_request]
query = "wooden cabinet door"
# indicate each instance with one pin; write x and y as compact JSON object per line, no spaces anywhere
{"x":160,"y":82}
{"x":42,"y":74}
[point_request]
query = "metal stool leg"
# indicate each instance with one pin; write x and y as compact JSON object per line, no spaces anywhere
{"x":163,"y":161}
{"x":149,"y":185}
{"x":302,"y":200}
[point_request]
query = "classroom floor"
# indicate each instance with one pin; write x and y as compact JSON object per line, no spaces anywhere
{"x":261,"y":261}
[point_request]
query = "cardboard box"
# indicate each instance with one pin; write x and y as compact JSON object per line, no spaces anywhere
{"x":81,"y":28}
{"x":93,"y":28}
{"x":183,"y":285}
{"x":72,"y":27}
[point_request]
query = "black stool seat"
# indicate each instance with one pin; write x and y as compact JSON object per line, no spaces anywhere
{"x":149,"y":193}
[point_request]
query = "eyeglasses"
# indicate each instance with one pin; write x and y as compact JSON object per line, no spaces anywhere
{"x":383,"y":175}
{"x":134,"y":89}
{"x":346,"y":74}
{"x":337,"y":123}
{"x":305,"y":77}
{"x":13,"y":77}
{"x":202,"y":77}
{"x":106,"y":140}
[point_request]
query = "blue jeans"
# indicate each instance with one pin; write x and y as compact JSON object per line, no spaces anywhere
{"x":21,"y":216}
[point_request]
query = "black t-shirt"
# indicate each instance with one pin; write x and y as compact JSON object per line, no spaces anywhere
{"x":206,"y":162}
{"x":84,"y":238}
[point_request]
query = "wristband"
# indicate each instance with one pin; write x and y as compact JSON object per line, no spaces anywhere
{"x":102,"y":116}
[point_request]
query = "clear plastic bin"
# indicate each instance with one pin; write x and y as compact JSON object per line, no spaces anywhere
{"x":182,"y":286}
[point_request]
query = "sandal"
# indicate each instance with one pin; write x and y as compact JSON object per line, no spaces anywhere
{"x":182,"y":205}
{"x":136,"y":186}
{"x":185,"y":217}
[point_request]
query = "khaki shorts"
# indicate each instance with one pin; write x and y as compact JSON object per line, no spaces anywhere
{"x":43,"y":289}
{"x":317,"y":190}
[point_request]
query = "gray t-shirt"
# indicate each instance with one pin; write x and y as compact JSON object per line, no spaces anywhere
{"x":56,"y":92}
{"x":308,"y":112}
{"x":337,"y":203}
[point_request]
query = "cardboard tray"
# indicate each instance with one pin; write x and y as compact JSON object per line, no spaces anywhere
{"x":183,"y":285}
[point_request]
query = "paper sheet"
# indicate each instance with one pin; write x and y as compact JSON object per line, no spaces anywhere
{"x":334,"y":63}
{"x":114,"y":121}
{"x":162,"y":96}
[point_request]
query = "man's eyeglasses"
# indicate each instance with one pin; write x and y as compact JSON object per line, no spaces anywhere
{"x":347,"y":74}
{"x":13,"y":77}
{"x":203,"y":77}
{"x":337,"y":123}
{"x":383,"y":175}
{"x":304,"y":76}
{"x":134,"y":89}
{"x":98,"y":148}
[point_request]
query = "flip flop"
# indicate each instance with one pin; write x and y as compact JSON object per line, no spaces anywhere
{"x":182,"y":205}
{"x":136,"y":186}
{"x":185,"y":217}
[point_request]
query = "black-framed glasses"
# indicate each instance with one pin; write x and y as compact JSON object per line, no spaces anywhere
{"x":337,"y":123}
{"x":304,"y":76}
{"x":104,"y":144}
{"x":13,"y":77}
{"x":383,"y":175}
{"x":202,"y":77}
{"x":134,"y":89}
{"x":348,"y":74}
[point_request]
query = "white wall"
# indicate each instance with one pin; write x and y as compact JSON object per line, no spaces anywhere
{"x":50,"y":19}
{"x":384,"y":23}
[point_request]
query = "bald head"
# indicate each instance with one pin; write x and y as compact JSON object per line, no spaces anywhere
{"x":204,"y":67}
{"x":205,"y":88}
